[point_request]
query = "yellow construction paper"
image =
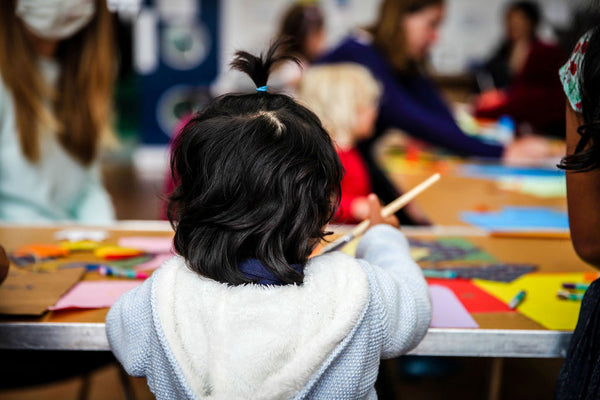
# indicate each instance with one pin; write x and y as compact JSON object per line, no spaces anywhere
{"x":541,"y":303}
{"x":107,"y":251}
{"x":83,"y":245}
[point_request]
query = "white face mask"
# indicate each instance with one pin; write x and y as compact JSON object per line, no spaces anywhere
{"x":55,"y":19}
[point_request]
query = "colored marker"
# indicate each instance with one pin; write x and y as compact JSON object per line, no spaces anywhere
{"x":518,"y":299}
{"x":433,"y":273}
{"x":121,"y":273}
{"x":576,"y":286}
{"x":565,"y":295}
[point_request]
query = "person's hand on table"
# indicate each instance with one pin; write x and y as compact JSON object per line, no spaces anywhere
{"x":490,"y":100}
{"x":528,"y":150}
{"x":375,"y":213}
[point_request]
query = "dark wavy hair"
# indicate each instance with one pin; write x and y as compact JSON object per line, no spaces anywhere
{"x":586,"y":156}
{"x":256,"y":176}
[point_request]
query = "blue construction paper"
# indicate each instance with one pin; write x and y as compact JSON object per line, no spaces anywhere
{"x":518,"y":218}
{"x":503,"y":171}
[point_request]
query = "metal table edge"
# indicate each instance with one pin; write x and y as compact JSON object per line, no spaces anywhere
{"x":91,"y":336}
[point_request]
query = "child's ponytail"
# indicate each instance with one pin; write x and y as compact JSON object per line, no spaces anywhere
{"x":259,"y":68}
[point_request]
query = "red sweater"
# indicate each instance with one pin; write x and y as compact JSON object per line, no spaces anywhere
{"x":535,"y":94}
{"x":356,"y":183}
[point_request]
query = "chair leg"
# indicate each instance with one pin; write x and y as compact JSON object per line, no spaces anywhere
{"x":495,"y":378}
{"x":84,"y":391}
{"x":125,"y":383}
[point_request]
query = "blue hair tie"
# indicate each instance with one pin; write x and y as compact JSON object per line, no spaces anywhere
{"x":261,"y":89}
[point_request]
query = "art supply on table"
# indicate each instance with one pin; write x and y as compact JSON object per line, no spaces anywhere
{"x":432,"y":273}
{"x":133,"y":262}
{"x":77,"y":235}
{"x":153,"y":263}
{"x":116,"y":252}
{"x":447,"y":310}
{"x":122,"y":273}
{"x":499,"y":272}
{"x":475,"y":299}
{"x":82,"y":245}
{"x":575,"y":286}
{"x":450,"y":249}
{"x":539,"y":186}
{"x":148,"y":244}
{"x":517,"y":300}
{"x":497,"y":171}
{"x":527,"y":234}
{"x":522,"y":219}
{"x":41,"y":251}
{"x":28,"y":293}
{"x":566,"y":295}
{"x":388,"y":210}
{"x":94,"y":294}
{"x":542,"y":304}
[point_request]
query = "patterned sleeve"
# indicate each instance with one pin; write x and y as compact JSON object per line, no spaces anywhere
{"x":570,"y":72}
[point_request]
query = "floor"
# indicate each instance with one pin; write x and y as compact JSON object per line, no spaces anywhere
{"x":139,"y":197}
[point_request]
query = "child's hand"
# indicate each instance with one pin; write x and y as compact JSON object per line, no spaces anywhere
{"x":375,"y":213}
{"x":360,"y":208}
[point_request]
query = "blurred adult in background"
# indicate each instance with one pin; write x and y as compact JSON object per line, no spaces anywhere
{"x":304,"y":26}
{"x":57,"y":65}
{"x":395,"y":50}
{"x":524,"y":73}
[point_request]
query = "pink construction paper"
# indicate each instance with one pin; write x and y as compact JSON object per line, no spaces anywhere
{"x":149,"y":244}
{"x":94,"y":294}
{"x":156,"y":262}
{"x":447,"y":310}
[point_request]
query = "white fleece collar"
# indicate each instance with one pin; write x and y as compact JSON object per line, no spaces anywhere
{"x":258,"y":342}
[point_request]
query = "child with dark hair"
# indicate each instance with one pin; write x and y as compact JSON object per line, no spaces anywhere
{"x":241,"y":311}
{"x":580,"y":374}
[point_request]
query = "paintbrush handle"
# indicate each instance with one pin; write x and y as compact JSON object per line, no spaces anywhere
{"x":386,"y":212}
{"x":397,"y":204}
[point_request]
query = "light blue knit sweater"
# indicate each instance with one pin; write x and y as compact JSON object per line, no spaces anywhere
{"x":194,"y":338}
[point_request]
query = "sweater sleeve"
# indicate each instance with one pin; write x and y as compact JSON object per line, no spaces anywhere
{"x":399,"y":282}
{"x":399,"y":109}
{"x":129,"y":328}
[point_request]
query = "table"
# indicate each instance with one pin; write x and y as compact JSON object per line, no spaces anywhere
{"x":500,"y":335}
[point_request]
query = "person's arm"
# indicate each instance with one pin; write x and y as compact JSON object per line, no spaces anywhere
{"x":430,"y":121}
{"x":437,"y":126}
{"x":400,"y":284}
{"x":129,"y":328}
{"x":583,"y":199}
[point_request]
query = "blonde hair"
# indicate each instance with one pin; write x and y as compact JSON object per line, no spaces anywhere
{"x":79,"y":108}
{"x":336,"y":93}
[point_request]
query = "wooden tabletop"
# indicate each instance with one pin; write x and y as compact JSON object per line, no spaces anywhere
{"x":442,"y":204}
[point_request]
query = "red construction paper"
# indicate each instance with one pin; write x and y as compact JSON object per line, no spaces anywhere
{"x":473,"y":298}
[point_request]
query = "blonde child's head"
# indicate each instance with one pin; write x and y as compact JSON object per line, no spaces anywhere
{"x":345,"y":97}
